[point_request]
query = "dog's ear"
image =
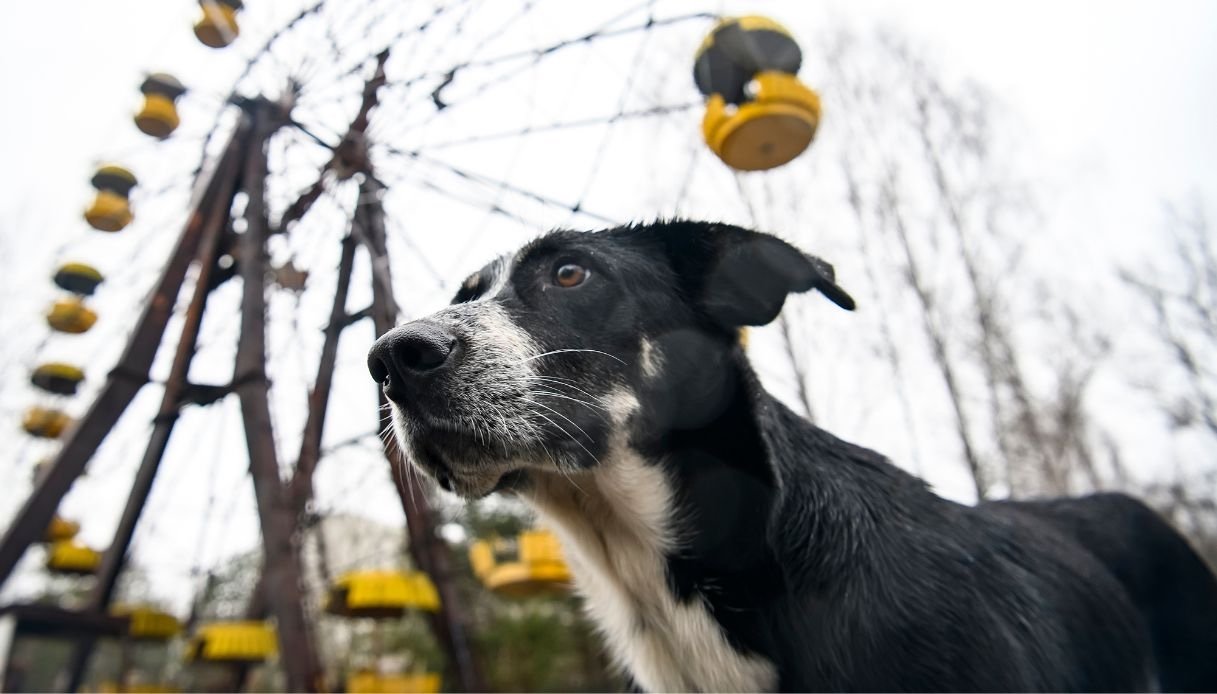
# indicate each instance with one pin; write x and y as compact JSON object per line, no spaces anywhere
{"x":741,"y":277}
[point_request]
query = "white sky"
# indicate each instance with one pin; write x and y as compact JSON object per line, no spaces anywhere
{"x":1115,"y":102}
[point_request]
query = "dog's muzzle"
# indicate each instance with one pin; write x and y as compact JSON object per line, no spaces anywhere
{"x":416,"y":364}
{"x":458,"y":385}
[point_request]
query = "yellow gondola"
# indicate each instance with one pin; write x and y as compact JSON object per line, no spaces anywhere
{"x":218,"y":27}
{"x":71,"y":557}
{"x":531,"y":565}
{"x":70,"y":315}
{"x":44,"y":422}
{"x":57,"y":378}
{"x":111,"y":208}
{"x":381,"y":594}
{"x":148,"y":623}
{"x":758,"y":114}
{"x":159,"y":117}
{"x":232,"y":642}
{"x":374,"y":683}
{"x":109,"y":212}
{"x":78,"y":278}
{"x":60,"y":529}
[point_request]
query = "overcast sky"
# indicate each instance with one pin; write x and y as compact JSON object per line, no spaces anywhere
{"x":1114,"y":101}
{"x":1119,"y":92}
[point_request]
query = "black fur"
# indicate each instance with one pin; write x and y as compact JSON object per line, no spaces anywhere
{"x":821,"y":556}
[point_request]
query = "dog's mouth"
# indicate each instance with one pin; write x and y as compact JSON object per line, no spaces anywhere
{"x":461,"y":460}
{"x":475,"y":448}
{"x":453,"y":476}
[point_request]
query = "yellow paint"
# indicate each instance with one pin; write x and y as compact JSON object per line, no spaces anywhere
{"x":45,"y":422}
{"x":51,"y":375}
{"x":381,"y":593}
{"x":148,"y":623}
{"x":233,"y":642}
{"x":60,"y":529}
{"x":774,"y":127}
{"x":158,"y":117}
{"x":373,"y":683}
{"x":70,"y":315}
{"x":538,"y":567}
{"x":71,"y":557}
{"x":218,"y":27}
{"x":109,"y":211}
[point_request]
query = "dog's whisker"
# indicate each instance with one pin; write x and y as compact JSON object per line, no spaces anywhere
{"x":561,"y":382}
{"x":572,"y":422}
{"x":548,"y":453}
{"x":564,"y":351}
{"x":405,"y":469}
{"x":407,"y":473}
{"x":558,"y":465}
{"x":589,"y":405}
{"x":555,"y":378}
{"x":572,"y":438}
{"x":568,"y":476}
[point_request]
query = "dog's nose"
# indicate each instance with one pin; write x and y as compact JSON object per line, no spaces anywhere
{"x":407,"y":353}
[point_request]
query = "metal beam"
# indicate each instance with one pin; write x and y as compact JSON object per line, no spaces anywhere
{"x":282,"y":560}
{"x":123,"y":382}
{"x":450,"y":624}
{"x":350,"y":154}
{"x":301,"y":487}
{"x":114,"y":558}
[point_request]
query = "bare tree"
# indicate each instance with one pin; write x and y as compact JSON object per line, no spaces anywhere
{"x":942,"y":223}
{"x":1182,"y":298}
{"x":1185,"y":318}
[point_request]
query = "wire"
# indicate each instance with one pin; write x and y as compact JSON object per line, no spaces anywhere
{"x":611,"y":119}
{"x":487,"y":180}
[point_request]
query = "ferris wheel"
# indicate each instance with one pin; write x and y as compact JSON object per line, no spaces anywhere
{"x":344,"y":135}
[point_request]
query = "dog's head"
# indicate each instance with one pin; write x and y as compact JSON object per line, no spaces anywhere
{"x":544,"y":358}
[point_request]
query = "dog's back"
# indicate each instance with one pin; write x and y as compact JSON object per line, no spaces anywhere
{"x":1167,"y":581}
{"x":933,"y":595}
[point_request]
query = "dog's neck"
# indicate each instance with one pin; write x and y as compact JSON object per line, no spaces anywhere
{"x":622,"y":524}
{"x":620,"y":527}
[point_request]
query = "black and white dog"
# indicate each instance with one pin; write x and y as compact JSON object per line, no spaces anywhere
{"x":724,"y":543}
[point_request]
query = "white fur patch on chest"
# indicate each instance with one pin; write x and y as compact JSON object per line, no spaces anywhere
{"x":616,"y":527}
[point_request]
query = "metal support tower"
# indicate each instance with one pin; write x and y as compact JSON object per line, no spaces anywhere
{"x":174,"y":396}
{"x":451,"y":623}
{"x":243,"y":163}
{"x":242,"y":167}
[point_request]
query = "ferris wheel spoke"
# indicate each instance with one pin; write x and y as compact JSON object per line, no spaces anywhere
{"x":602,"y":148}
{"x":590,"y":122}
{"x":483,"y":180}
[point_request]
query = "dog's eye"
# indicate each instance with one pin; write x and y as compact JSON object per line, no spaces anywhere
{"x":570,"y":275}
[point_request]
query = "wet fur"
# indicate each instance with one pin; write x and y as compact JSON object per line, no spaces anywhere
{"x":724,"y":543}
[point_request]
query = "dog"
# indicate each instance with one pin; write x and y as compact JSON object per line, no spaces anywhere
{"x":722,"y":542}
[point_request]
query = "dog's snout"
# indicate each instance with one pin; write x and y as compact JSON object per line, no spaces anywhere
{"x":422,"y":347}
{"x":406,"y":353}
